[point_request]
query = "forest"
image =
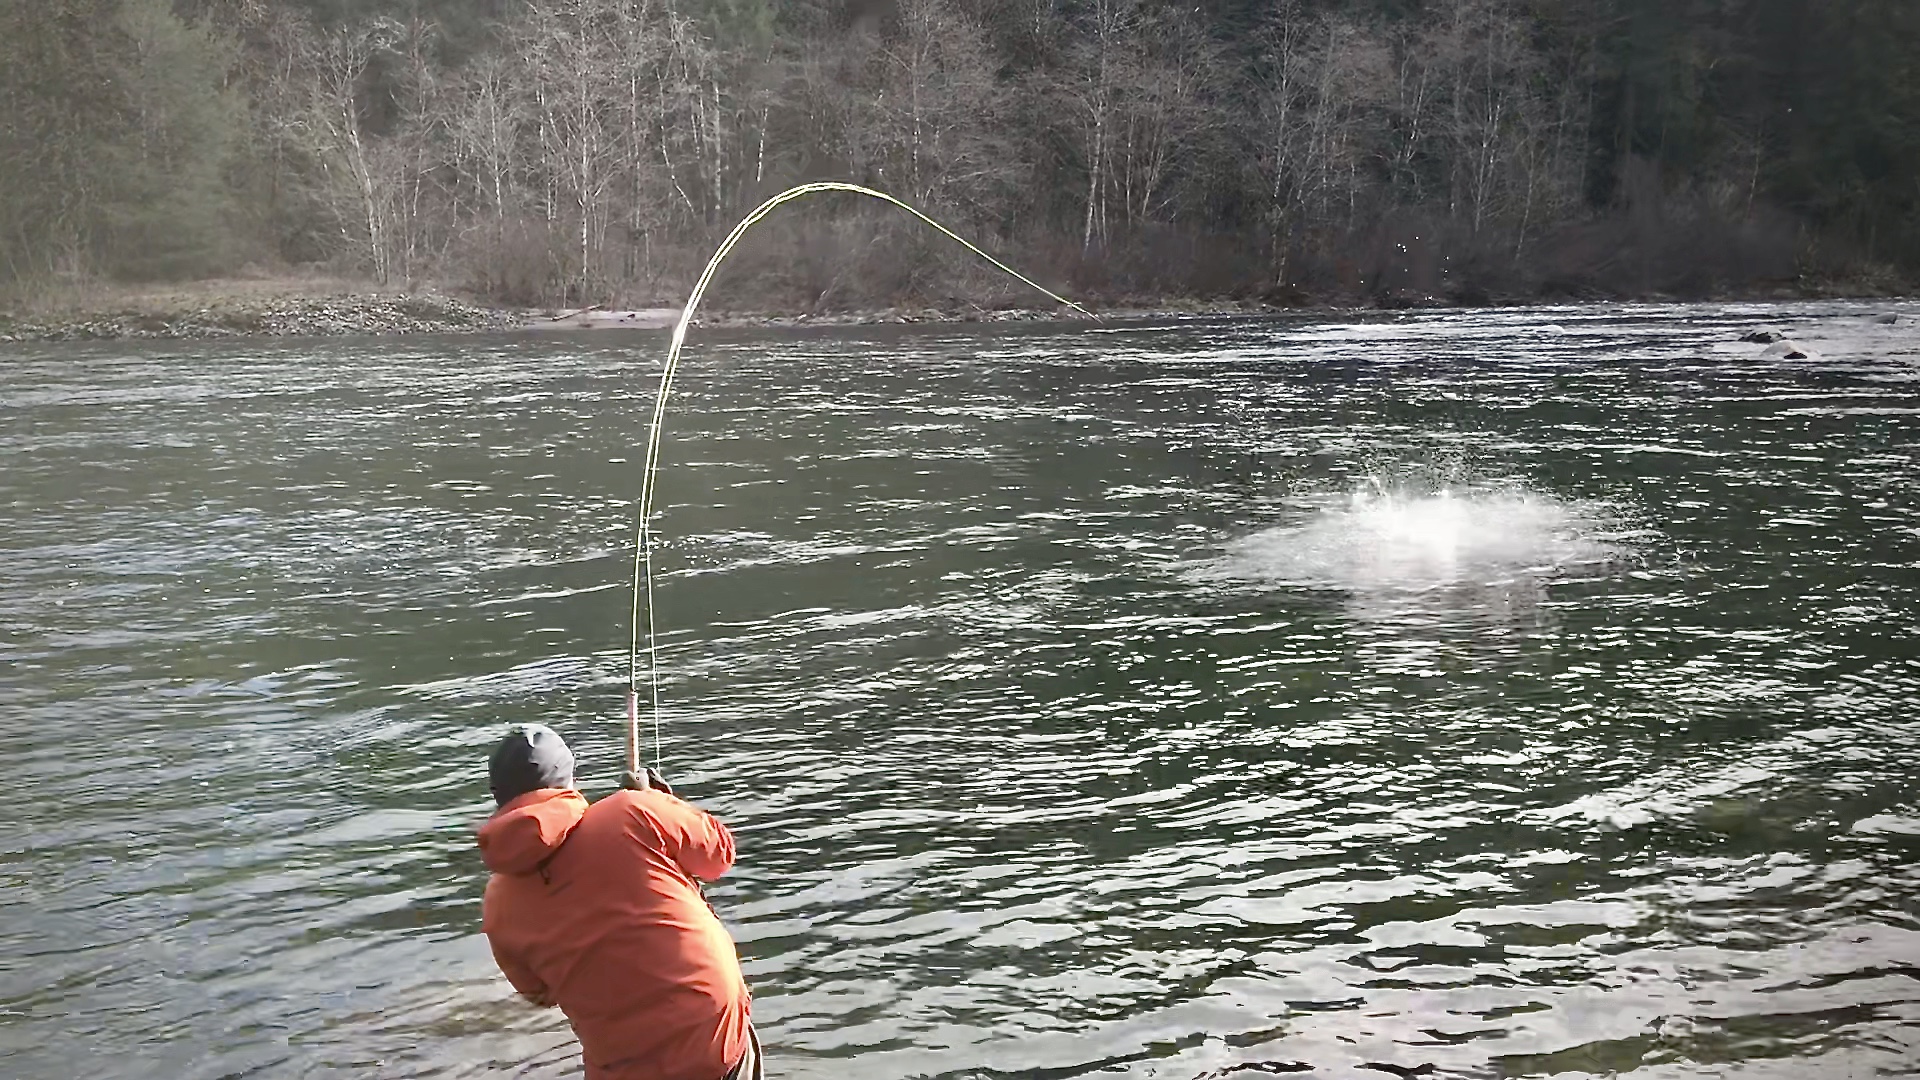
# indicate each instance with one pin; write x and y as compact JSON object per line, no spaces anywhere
{"x":574,"y":152}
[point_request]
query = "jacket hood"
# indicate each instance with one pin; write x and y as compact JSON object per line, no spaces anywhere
{"x":527,"y":831}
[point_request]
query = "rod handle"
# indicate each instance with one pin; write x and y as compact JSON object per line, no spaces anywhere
{"x":633,"y":730}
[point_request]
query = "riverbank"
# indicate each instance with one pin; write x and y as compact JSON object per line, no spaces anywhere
{"x":245,"y":309}
{"x":220,"y":309}
{"x":324,"y":308}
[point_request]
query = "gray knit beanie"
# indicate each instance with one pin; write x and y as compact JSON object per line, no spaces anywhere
{"x":532,"y":756}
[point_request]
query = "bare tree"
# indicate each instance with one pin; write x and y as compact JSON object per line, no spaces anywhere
{"x":695,"y":119}
{"x":421,"y":147}
{"x":1484,"y":66}
{"x":1326,"y":85}
{"x":1098,"y":60}
{"x":1411,"y":116}
{"x":346,"y":151}
{"x":487,"y":133}
{"x":1167,"y":79}
{"x":940,"y":107}
{"x":576,"y":64}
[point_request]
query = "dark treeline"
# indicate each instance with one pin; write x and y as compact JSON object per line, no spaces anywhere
{"x":579,"y":151}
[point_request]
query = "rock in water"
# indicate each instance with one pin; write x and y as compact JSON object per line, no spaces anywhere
{"x":1788,"y":350}
{"x":1759,"y":337}
{"x":1886,"y":320}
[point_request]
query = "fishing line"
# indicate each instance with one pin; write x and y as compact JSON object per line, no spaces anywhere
{"x":643,"y":539}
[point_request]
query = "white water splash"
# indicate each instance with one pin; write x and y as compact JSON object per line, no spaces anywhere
{"x":1388,"y":541}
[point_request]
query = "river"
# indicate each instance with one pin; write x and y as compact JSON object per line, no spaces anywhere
{"x":1521,"y":693}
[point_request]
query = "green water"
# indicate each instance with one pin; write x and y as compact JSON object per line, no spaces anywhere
{"x":1522,"y":693}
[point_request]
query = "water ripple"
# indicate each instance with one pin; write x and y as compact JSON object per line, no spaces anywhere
{"x":1512,"y":692}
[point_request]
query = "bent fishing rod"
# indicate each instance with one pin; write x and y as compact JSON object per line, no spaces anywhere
{"x":650,"y":470}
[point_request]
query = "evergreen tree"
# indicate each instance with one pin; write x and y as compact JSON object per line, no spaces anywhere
{"x":117,"y":131}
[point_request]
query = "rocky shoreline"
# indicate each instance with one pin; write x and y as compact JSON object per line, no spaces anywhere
{"x":356,"y":314}
{"x":393,"y":314}
{"x":278,"y":316}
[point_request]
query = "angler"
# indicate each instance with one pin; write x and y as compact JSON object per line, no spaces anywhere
{"x":597,"y":910}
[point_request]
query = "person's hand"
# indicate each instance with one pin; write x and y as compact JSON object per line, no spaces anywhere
{"x":645,"y":779}
{"x":539,"y":1000}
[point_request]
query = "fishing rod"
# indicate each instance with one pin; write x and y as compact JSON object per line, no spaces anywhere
{"x":650,"y":471}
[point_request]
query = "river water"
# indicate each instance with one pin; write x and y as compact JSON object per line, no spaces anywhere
{"x":1523,"y":693}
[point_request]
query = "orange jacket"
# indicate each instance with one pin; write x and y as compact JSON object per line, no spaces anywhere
{"x":595,"y":909}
